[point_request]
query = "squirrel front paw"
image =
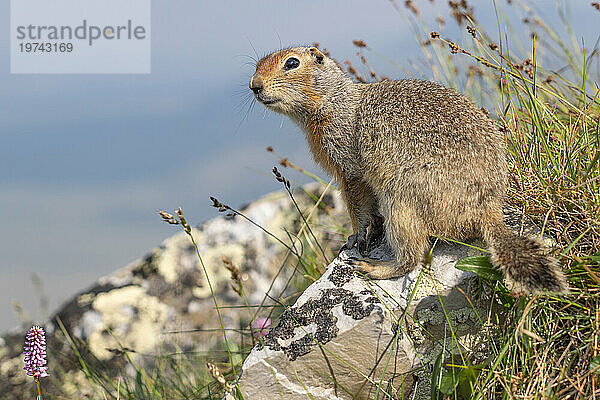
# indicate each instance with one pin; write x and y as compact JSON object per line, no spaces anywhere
{"x":358,"y":239}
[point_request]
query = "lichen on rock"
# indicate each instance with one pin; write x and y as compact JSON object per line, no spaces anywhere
{"x":347,"y":337}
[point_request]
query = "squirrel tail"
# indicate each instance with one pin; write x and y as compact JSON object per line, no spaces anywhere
{"x":525,"y":262}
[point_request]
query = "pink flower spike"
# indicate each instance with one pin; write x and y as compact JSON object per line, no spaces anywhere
{"x":35,"y":353}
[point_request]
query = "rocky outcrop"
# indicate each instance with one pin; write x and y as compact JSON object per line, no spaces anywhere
{"x":161,"y":303}
{"x":350,"y":338}
{"x":347,"y":337}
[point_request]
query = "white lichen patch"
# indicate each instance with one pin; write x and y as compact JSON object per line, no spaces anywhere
{"x":285,"y":218}
{"x":427,"y":285}
{"x":213,"y":262}
{"x":85,"y":299}
{"x":172,"y":257}
{"x":13,"y":370}
{"x":167,"y":258}
{"x":76,"y":385}
{"x":134,"y":319}
{"x":90,"y":322}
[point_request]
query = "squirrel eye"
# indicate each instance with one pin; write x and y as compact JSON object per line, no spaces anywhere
{"x":291,"y":63}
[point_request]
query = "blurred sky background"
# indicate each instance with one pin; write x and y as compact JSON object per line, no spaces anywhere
{"x":87,"y":160}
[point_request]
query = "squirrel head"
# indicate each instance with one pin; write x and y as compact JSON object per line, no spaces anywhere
{"x":294,"y":81}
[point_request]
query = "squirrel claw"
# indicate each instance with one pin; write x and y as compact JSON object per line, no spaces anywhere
{"x":349,"y":243}
{"x":359,"y":240}
{"x":361,"y":266}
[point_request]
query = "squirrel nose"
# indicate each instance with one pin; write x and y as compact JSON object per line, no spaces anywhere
{"x":256,"y":84}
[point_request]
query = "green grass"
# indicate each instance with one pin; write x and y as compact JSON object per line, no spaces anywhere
{"x":549,"y":346}
{"x":542,"y":91}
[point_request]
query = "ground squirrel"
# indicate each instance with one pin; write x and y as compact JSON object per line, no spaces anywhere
{"x":420,"y":155}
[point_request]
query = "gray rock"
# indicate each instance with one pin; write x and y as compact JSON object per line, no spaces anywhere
{"x":349,"y":338}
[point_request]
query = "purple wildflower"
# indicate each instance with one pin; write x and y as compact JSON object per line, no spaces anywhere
{"x":35,"y":353}
{"x":261,"y":325}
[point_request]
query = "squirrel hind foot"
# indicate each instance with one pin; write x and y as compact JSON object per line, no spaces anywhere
{"x":377,"y":269}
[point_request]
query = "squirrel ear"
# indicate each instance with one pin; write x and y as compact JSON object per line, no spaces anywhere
{"x":317,"y":55}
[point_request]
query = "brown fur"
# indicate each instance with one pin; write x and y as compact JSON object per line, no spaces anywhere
{"x":421,"y":155}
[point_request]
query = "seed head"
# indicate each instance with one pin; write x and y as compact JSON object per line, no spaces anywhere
{"x":183,"y":221}
{"x":219,"y":377}
{"x":440,"y":21}
{"x":359,"y":43}
{"x":217,"y":204}
{"x":362,"y":57}
{"x":471,"y":30}
{"x":35,"y":353}
{"x":353,"y":71}
{"x":168,"y":218}
{"x":453,"y":48}
{"x":280,"y":178}
{"x":235,"y":275}
{"x":411,"y":6}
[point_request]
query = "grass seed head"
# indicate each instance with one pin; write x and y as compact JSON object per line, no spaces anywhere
{"x":217,"y":204}
{"x":236,"y":277}
{"x":359,"y":43}
{"x":219,"y":377}
{"x":440,"y":22}
{"x":411,"y":6}
{"x":168,"y":218}
{"x":353,"y":71}
{"x":280,"y":178}
{"x":472,"y":31}
{"x":182,"y":220}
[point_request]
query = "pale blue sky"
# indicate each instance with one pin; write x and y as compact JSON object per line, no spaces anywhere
{"x":86,"y":160}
